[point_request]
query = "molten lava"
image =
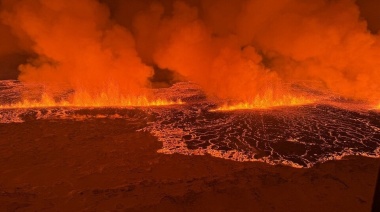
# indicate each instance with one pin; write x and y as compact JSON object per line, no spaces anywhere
{"x":83,"y":100}
{"x":267,"y":101}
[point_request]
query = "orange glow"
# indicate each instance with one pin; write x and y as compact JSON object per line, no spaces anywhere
{"x":267,"y":101}
{"x":83,"y":100}
{"x":231,"y":49}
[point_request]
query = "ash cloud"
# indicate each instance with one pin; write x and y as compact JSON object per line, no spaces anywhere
{"x":232,"y":49}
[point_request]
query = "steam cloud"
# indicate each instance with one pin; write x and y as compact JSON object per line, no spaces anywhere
{"x":233,"y":49}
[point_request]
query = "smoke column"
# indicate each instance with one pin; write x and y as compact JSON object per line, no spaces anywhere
{"x":75,"y":42}
{"x":232,"y":49}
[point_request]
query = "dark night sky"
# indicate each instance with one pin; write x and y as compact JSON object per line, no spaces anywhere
{"x":370,"y":10}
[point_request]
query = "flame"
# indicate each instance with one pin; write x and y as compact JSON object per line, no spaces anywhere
{"x":267,"y":101}
{"x":84,"y":100}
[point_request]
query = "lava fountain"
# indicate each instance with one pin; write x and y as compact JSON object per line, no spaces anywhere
{"x":268,"y":101}
{"x":83,"y":100}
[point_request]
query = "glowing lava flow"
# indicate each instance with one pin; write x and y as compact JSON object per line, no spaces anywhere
{"x":266,"y":102}
{"x":85,"y":101}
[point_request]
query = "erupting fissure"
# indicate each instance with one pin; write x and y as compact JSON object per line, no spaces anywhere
{"x":268,"y":100}
{"x":234,"y":50}
{"x":85,"y":101}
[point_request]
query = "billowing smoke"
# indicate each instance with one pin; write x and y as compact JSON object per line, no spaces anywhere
{"x":232,"y":49}
{"x":77,"y":43}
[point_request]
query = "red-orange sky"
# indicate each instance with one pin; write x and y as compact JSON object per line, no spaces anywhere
{"x":231,"y":49}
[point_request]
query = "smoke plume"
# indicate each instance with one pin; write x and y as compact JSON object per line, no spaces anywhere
{"x":76,"y":42}
{"x":232,"y":49}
